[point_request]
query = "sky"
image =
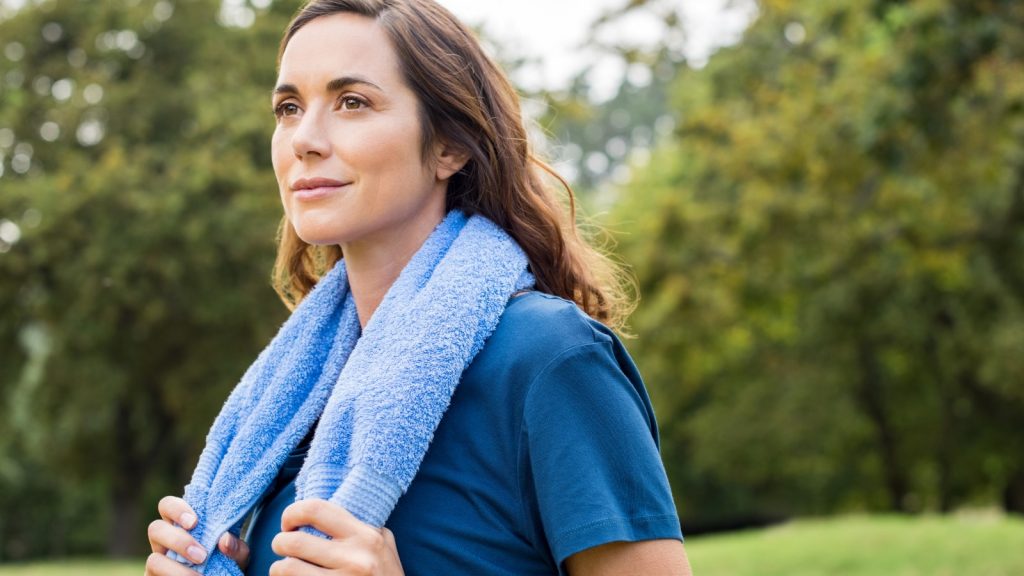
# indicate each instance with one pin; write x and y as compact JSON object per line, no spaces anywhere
{"x":555,"y":30}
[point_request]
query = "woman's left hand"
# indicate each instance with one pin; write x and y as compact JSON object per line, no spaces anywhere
{"x":355,"y":549}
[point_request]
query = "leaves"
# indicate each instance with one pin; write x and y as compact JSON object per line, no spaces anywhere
{"x":822,"y":252}
{"x":148,"y":269}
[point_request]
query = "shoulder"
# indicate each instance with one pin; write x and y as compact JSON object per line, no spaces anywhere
{"x":545,"y":345}
{"x":536,"y":333}
{"x":538,"y":329}
{"x":542,"y":326}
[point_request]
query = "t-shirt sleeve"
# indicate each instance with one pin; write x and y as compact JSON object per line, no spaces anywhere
{"x":593,"y":454}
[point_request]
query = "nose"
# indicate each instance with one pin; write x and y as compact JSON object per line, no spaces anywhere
{"x":310,"y":137}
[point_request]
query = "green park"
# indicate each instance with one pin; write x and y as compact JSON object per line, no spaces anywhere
{"x":823,"y":224}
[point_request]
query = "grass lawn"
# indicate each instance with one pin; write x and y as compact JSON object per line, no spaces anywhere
{"x":962,"y":544}
{"x":80,"y":568}
{"x":974,"y":545}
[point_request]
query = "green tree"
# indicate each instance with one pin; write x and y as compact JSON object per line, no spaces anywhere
{"x":828,"y":254}
{"x":138,"y":214}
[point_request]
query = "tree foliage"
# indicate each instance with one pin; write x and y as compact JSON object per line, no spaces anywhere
{"x":140,"y":210}
{"x":828,"y":255}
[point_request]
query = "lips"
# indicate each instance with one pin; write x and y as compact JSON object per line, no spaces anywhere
{"x":313,"y":188}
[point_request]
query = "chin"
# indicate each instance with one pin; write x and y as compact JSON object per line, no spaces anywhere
{"x":315,"y":235}
{"x":317,"y":240}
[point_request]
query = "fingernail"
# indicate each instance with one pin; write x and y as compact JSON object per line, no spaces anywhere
{"x":196,"y":554}
{"x":188,"y":520}
{"x":230,"y":543}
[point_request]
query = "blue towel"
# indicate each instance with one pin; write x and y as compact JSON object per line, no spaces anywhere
{"x":379,"y":392}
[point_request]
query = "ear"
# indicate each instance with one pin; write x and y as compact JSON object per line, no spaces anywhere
{"x":448,"y":159}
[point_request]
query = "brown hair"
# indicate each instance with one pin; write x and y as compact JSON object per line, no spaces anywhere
{"x":466,"y":100}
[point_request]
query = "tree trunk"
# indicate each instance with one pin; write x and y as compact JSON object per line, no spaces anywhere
{"x":945,"y":452}
{"x":125,"y":532}
{"x":1013,"y":494}
{"x":870,"y":395}
{"x":1004,"y":414}
{"x":946,"y":434}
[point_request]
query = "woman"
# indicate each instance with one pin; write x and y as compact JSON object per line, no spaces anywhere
{"x":400,"y":146}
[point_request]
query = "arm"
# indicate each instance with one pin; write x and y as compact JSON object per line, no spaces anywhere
{"x":600,"y":485}
{"x":664,"y":557}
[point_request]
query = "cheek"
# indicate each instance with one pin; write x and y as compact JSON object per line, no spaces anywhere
{"x":277,"y":144}
{"x":391,"y":150}
{"x":279,"y":160}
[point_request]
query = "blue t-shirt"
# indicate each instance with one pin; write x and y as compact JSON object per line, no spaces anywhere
{"x":549,"y":447}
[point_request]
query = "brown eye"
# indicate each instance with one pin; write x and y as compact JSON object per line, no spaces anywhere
{"x":284,"y":108}
{"x":352,"y":103}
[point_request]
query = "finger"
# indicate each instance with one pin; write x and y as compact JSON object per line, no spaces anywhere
{"x":164,"y":536}
{"x":306,"y":547}
{"x":160,"y":565}
{"x":156,"y":544}
{"x":347,"y":556}
{"x":234,"y":548}
{"x":296,"y":567}
{"x":325,"y":516}
{"x":174,"y":509}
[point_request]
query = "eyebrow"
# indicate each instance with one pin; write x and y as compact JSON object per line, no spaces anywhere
{"x":335,"y":85}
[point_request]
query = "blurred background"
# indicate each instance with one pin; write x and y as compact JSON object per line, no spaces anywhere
{"x":822,"y":202}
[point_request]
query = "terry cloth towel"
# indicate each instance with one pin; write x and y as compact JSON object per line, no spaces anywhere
{"x":379,"y":393}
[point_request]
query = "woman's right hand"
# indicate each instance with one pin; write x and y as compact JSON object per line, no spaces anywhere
{"x":164,"y":536}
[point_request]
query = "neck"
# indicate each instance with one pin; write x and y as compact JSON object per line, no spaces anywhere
{"x":370,"y":278}
{"x":373,"y":267}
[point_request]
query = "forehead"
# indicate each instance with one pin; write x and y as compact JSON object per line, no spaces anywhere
{"x":336,"y":45}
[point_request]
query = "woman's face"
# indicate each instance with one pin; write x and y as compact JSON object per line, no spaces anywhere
{"x":344,"y":113}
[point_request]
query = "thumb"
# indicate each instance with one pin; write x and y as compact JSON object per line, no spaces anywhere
{"x":234,"y":548}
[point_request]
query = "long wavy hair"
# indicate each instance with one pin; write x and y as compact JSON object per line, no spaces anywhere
{"x":468,"y":102}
